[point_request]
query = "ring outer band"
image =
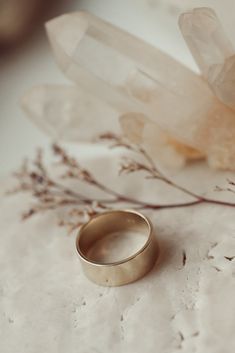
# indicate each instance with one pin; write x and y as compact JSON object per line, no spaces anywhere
{"x":126,"y":270}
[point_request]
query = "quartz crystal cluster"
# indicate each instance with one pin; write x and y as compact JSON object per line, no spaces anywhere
{"x":121,"y":82}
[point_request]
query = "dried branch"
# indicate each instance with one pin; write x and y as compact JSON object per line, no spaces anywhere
{"x":52,"y":194}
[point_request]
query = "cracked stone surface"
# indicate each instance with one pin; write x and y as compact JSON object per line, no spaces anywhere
{"x":185,"y":304}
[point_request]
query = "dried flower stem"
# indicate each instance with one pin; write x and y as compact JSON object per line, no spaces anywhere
{"x":53,"y":194}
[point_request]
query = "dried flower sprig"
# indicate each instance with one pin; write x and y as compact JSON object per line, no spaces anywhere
{"x":51,"y":193}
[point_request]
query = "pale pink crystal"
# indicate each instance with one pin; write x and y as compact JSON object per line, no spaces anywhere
{"x":68,"y":113}
{"x":129,"y":75}
{"x":159,"y":145}
{"x":212,"y":51}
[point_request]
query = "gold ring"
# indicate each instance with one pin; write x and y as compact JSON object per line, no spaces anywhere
{"x":123,"y":271}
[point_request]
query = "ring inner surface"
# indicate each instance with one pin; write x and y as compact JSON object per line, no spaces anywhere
{"x":113,"y":237}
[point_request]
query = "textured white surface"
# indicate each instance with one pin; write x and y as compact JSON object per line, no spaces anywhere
{"x":47,"y":304}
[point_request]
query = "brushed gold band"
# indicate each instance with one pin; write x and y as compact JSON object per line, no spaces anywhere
{"x":126,"y":270}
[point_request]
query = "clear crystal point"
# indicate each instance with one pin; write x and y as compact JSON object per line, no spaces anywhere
{"x":68,"y":113}
{"x":212,"y":51}
{"x":128,"y":73}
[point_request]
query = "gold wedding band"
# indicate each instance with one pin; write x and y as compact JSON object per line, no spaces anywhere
{"x":126,"y":270}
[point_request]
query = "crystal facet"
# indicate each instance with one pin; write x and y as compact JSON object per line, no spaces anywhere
{"x":160,"y":146}
{"x":211,"y":50}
